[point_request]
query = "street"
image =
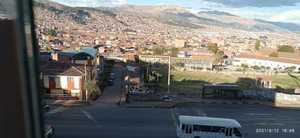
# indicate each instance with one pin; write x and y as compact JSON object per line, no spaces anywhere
{"x":258,"y":121}
{"x":105,"y":119}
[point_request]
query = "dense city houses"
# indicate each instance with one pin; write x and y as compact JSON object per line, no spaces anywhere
{"x":124,"y":34}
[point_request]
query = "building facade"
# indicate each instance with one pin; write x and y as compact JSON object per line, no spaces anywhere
{"x":276,"y":64}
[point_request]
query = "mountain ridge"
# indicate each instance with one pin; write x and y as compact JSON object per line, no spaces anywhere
{"x":180,"y":16}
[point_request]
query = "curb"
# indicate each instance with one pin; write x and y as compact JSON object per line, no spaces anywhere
{"x":174,"y":104}
{"x":232,"y":102}
{"x":74,"y":104}
{"x":162,"y":106}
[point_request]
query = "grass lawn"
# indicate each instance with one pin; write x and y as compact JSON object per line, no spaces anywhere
{"x":285,"y":81}
{"x":196,"y":79}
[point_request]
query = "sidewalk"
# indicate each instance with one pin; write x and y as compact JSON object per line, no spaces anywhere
{"x":177,"y":102}
{"x":148,"y":105}
{"x":222,"y":101}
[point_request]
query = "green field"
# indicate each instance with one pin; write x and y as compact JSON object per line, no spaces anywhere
{"x":195,"y":80}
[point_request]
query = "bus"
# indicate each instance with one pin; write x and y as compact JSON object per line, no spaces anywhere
{"x":207,"y":127}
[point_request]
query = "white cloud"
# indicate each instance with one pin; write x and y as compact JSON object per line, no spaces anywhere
{"x":92,"y":3}
{"x":288,"y":16}
{"x":119,"y":2}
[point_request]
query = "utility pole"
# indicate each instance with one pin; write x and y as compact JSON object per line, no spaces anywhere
{"x":85,"y":74}
{"x":169,"y":75}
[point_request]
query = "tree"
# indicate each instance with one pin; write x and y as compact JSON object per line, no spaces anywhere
{"x":257,"y":45}
{"x":213,"y":47}
{"x":92,"y":88}
{"x":256,"y":67}
{"x":52,"y":32}
{"x":290,"y":69}
{"x":48,"y":48}
{"x":286,"y":48}
{"x":174,"y":52}
{"x":159,"y":51}
{"x":219,"y":56}
{"x":244,"y":67}
{"x":274,"y":54}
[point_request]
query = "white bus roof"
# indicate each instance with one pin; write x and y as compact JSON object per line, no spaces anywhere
{"x":209,"y":121}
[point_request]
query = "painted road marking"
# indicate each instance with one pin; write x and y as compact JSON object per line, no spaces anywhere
{"x":57,"y":110}
{"x":269,"y":124}
{"x":90,"y":117}
{"x":258,"y":114}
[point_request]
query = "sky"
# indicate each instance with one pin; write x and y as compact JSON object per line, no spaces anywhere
{"x":270,"y":10}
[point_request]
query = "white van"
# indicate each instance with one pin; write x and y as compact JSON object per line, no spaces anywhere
{"x":207,"y":127}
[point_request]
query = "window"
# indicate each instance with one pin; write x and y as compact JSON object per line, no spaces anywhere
{"x":183,"y":127}
{"x":21,"y":116}
{"x":228,"y":132}
{"x":236,"y":132}
{"x":70,"y":79}
{"x":217,"y":129}
{"x":202,"y":128}
{"x":57,"y":82}
{"x":197,"y":128}
{"x":66,"y":29}
{"x":188,"y":129}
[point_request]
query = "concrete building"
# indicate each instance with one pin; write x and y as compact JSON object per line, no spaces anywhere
{"x":273,"y":63}
{"x":179,"y":43}
{"x":198,"y":65}
{"x":63,"y":80}
{"x":182,"y":54}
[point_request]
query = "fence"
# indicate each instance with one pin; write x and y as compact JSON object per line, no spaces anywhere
{"x":278,"y":98}
{"x":260,"y":94}
{"x":291,"y":100}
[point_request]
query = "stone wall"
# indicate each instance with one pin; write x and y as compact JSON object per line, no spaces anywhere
{"x":279,"y":99}
{"x":287,"y":100}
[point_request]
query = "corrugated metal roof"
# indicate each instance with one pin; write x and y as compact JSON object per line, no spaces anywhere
{"x":266,"y":57}
{"x":89,"y":50}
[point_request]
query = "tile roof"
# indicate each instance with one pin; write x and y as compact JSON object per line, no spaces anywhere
{"x":55,"y":68}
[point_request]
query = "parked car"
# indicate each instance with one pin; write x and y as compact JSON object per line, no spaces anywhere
{"x":46,"y":108}
{"x":49,"y":131}
{"x":112,"y":74}
{"x":110,"y":82}
{"x":168,"y":98}
{"x":136,"y":91}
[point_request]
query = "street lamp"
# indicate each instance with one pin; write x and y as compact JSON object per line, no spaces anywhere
{"x":169,"y":75}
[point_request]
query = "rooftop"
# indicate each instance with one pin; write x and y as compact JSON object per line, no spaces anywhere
{"x":209,"y":121}
{"x":63,"y":69}
{"x":284,"y":59}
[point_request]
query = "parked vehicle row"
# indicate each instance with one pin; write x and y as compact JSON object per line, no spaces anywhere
{"x":139,"y":91}
{"x":168,"y":98}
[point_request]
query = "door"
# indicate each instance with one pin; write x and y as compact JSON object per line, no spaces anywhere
{"x":52,"y":84}
{"x":70,"y":83}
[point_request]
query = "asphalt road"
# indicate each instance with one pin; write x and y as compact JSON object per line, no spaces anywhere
{"x":258,"y":121}
{"x":105,"y":119}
